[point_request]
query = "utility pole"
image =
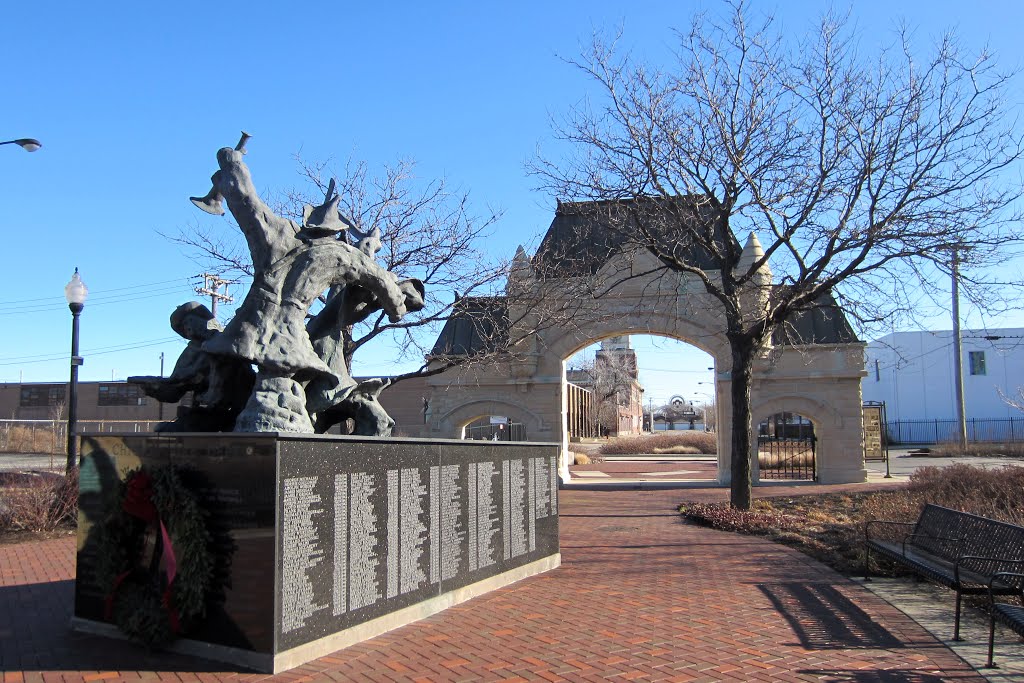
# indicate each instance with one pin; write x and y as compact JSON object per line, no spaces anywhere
{"x":211,"y":287}
{"x":160,"y":404}
{"x":958,"y":366}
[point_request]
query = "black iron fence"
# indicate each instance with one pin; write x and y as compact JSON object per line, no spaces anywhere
{"x":940,"y":431}
{"x":513,"y":431}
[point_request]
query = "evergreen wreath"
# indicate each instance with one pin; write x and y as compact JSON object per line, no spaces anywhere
{"x":155,"y":558}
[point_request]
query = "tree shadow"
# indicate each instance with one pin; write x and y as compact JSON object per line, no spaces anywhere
{"x":825,"y":619}
{"x":871,"y":676}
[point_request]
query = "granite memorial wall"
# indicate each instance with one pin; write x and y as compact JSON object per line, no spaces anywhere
{"x":335,"y":539}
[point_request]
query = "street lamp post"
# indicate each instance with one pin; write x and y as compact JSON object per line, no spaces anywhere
{"x":27,"y":144}
{"x":75,"y":292}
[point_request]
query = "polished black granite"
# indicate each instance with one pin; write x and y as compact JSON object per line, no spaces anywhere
{"x":319,"y":534}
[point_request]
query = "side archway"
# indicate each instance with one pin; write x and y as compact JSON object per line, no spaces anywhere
{"x":838,"y":451}
{"x":458,"y":418}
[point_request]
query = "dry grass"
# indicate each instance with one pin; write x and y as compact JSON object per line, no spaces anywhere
{"x":23,"y":439}
{"x":700,"y":442}
{"x":830,"y":527}
{"x":804,"y":457}
{"x":580,"y":459}
{"x":984,"y":450}
{"x":677,"y":450}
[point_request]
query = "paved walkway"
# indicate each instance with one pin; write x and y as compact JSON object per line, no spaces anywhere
{"x":640,"y":596}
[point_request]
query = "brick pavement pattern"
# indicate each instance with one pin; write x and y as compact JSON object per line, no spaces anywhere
{"x":640,"y":596}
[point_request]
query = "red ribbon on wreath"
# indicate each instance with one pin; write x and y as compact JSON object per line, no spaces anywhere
{"x":138,"y":502}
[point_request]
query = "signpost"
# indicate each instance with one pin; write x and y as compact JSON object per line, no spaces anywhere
{"x":876,"y":446}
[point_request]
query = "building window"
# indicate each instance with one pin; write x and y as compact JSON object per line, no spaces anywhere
{"x":121,"y":395}
{"x":42,"y":395}
{"x":977,"y":362}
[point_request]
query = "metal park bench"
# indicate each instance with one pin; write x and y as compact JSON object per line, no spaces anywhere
{"x":1008,"y":613}
{"x":954,"y":549}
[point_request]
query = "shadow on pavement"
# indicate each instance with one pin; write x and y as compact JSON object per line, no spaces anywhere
{"x":40,"y":613}
{"x":825,"y":619}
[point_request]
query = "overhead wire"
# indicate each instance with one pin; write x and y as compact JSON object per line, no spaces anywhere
{"x":96,"y":301}
{"x":100,"y":351}
{"x":55,"y":298}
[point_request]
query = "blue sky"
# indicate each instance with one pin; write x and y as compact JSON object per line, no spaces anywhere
{"x":132,"y":100}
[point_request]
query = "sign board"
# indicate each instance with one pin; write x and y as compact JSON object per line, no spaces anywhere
{"x":499,"y":420}
{"x":874,"y":447}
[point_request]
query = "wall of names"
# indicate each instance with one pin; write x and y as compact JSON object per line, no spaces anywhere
{"x":357,"y":542}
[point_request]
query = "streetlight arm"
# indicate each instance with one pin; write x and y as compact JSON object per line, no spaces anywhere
{"x":27,"y":144}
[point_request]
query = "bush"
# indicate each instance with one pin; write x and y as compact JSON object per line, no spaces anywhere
{"x":580,"y":459}
{"x":830,"y":527}
{"x":39,"y":502}
{"x":997,"y":493}
{"x":700,"y":442}
{"x":677,"y":450}
{"x":982,"y":450}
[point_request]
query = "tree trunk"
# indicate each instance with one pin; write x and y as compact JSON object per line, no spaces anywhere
{"x":742,"y":365}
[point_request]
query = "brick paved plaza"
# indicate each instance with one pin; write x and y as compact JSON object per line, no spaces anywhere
{"x":639,"y":596}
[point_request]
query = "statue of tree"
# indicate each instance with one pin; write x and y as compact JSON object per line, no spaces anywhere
{"x":423,"y":230}
{"x":865,"y":176}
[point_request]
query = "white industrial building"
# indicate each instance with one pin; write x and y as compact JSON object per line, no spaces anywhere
{"x":912,"y":372}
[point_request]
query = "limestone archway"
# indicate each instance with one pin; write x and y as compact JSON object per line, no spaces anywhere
{"x":685,"y":330}
{"x":464,"y":414}
{"x":815,"y":372}
{"x":838,"y":436}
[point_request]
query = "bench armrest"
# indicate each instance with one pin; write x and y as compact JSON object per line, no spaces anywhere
{"x":1000,"y":575}
{"x":1000,"y":560}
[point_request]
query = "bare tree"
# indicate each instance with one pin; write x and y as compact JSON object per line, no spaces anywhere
{"x":864,"y":175}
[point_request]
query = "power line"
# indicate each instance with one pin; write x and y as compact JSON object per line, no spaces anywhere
{"x":116,"y":289}
{"x":104,"y":350}
{"x":114,"y":299}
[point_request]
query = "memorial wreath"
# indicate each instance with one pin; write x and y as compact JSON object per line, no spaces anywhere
{"x":155,"y":560}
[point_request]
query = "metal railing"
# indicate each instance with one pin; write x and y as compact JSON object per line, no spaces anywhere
{"x":983,"y":430}
{"x":515,"y":431}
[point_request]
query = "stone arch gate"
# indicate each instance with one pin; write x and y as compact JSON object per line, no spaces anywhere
{"x":814,"y":369}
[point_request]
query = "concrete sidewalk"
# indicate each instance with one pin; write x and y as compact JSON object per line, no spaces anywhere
{"x":640,"y":596}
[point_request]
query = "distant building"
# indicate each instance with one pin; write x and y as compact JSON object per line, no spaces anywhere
{"x":615,"y":394}
{"x":120,"y":406}
{"x":912,"y":372}
{"x":97,"y":402}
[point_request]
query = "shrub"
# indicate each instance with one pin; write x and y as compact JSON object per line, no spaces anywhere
{"x":580,"y":459}
{"x":997,"y":493}
{"x":701,"y":442}
{"x":830,"y":527}
{"x":761,"y":516}
{"x":39,"y":502}
{"x":677,"y":450}
{"x":983,"y":450}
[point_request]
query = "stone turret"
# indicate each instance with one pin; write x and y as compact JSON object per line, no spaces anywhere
{"x":755,"y":296}
{"x":519,"y":290}
{"x":520,"y":273}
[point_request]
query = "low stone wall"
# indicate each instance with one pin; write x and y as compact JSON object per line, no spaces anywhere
{"x":333,"y":540}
